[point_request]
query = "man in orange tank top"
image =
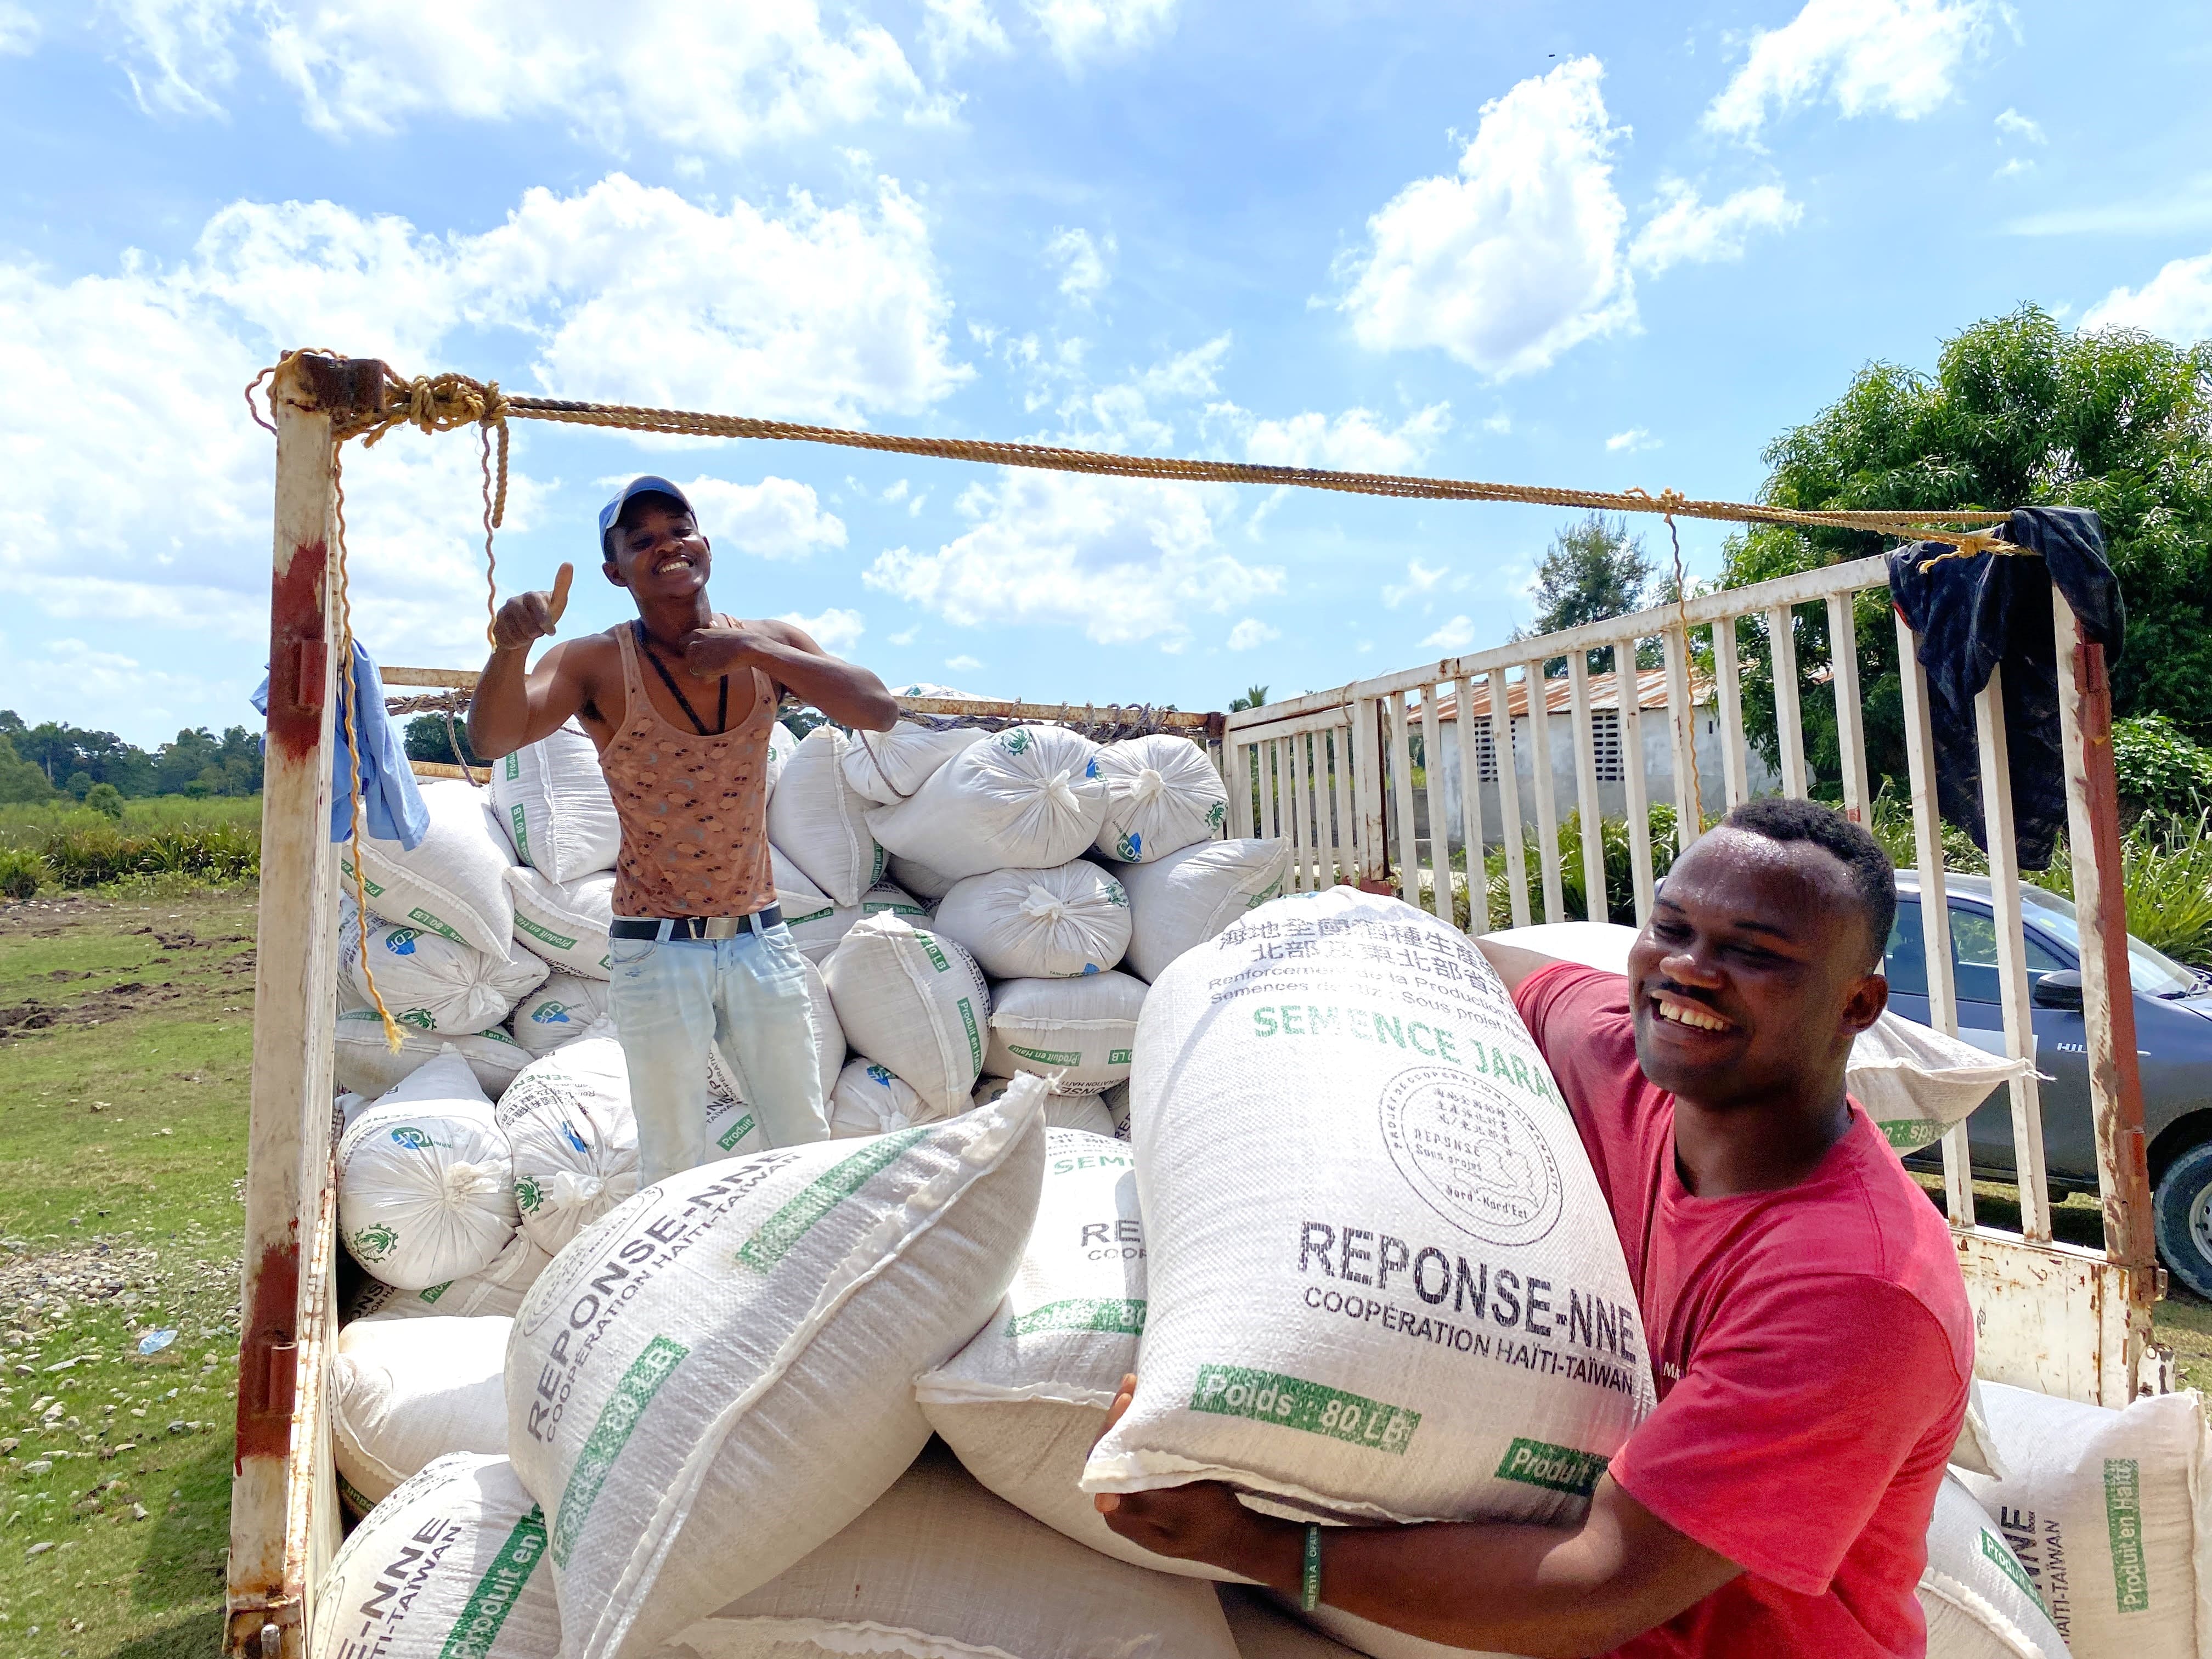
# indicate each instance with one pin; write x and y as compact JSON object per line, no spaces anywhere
{"x":681,"y":703}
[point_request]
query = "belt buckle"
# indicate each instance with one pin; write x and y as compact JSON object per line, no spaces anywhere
{"x":720,"y":926}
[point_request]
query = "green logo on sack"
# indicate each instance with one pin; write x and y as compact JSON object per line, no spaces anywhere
{"x":876,"y":870}
{"x":1081,"y":1314}
{"x":975,"y":1036}
{"x":420,"y":1018}
{"x":374,"y":1244}
{"x":435,"y":926}
{"x":780,"y":1231}
{"x":736,"y":1132}
{"x":528,"y":1194}
{"x":633,"y":1393}
{"x":1994,"y":1550}
{"x":1114,"y":895}
{"x":1046,"y":1056}
{"x":1120,"y":1057}
{"x":1014,"y":742}
{"x":412,"y":1139}
{"x":366,"y":885}
{"x":1555,"y":1468}
{"x":2123,"y":1520}
{"x":521,"y":826}
{"x":1216,"y":815}
{"x":475,"y":1629}
{"x":1126,"y":845}
{"x":434,"y":1292}
{"x":1907,"y":1134}
{"x":929,"y":949}
{"x":514,"y":768}
{"x":544,"y":934}
{"x":1295,"y":1403}
{"x":1272,"y":890}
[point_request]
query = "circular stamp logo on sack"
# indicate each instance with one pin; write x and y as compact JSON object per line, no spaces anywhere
{"x":1477,"y":1159}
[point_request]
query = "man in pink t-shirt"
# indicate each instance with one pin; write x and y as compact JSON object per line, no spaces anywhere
{"x":1807,"y":1327}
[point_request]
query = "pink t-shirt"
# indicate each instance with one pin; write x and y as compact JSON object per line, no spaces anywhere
{"x":1812,"y":1348}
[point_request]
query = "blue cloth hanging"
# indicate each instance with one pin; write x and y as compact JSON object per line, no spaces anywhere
{"x":391,"y":806}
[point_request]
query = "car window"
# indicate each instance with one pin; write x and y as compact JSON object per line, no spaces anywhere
{"x":1974,"y":955}
{"x":1905,"y":958}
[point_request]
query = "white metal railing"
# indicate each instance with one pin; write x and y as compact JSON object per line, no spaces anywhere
{"x":1336,"y":773}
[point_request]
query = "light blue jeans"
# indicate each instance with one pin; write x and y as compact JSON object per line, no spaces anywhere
{"x":748,"y":993}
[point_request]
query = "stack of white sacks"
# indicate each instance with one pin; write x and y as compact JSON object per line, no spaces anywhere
{"x":697,"y":1421}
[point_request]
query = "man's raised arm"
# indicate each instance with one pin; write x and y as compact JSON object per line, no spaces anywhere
{"x":514,"y":705}
{"x":1513,"y":962}
{"x":845,"y":691}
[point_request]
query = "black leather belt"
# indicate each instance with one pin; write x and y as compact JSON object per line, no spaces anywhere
{"x":664,"y":927}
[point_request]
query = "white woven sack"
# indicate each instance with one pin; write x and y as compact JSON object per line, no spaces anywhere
{"x":550,"y":796}
{"x":1116,"y":1100}
{"x":450,"y":1566}
{"x":1978,"y":1598}
{"x":428,"y":982}
{"x":718,"y":1376}
{"x":819,"y":820}
{"x":363,"y":1062}
{"x":1023,"y":1402}
{"x":425,"y":1189}
{"x":494,"y":1290}
{"x":914,"y":1003}
{"x":1059,"y":923}
{"x":780,"y":742}
{"x":918,"y":879}
{"x":1027,"y":798}
{"x":1162,"y":795}
{"x":868,"y":1100}
{"x":1263,"y":1631}
{"x":559,"y":1011}
{"x":406,"y":1392}
{"x":1083,"y":1112}
{"x":566,"y":923}
{"x":1381,"y":1642}
{"x":1180,"y":901}
{"x":2111,"y":1514}
{"x":572,"y":1137}
{"x":1975,"y":1451}
{"x":1078,"y":1033}
{"x":1384,"y":1283}
{"x":938,"y":1569}
{"x":454,"y":883}
{"x":820,"y":934}
{"x":887,"y":767}
{"x":733,"y":1127}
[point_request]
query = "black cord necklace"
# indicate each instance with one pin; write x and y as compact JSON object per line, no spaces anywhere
{"x":721,"y":709}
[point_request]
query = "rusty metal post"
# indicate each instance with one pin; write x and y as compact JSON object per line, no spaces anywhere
{"x":287,"y":1153}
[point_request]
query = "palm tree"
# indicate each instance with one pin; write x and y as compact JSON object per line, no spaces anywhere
{"x":1255,"y":697}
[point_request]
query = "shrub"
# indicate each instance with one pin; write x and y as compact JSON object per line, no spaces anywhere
{"x":21,"y":872}
{"x":105,"y":799}
{"x":89,"y":856}
{"x":2162,"y":773}
{"x":1619,"y":881}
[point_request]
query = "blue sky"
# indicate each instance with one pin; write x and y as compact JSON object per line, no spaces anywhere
{"x":1599,"y":245}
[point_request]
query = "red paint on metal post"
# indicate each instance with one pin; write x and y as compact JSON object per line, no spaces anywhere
{"x":297,"y":653}
{"x":265,"y":1403}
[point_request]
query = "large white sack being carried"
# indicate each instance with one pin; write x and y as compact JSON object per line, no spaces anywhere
{"x":566,"y":923}
{"x":914,"y":1003}
{"x":2111,"y":1515}
{"x":425,"y":1187}
{"x":1079,"y":1033}
{"x":1384,"y":1283}
{"x":887,"y":767}
{"x":1913,"y":1081}
{"x":1162,"y":795}
{"x":938,"y":1569}
{"x":450,"y":1566}
{"x":454,"y":883}
{"x":1022,"y":1403}
{"x":1039,"y":924}
{"x":497,"y":1289}
{"x":406,"y":1392}
{"x":559,"y":1011}
{"x":1027,"y":799}
{"x":819,"y":820}
{"x":918,"y":879}
{"x":362,"y":1060}
{"x":867,"y":1099}
{"x":781,"y":740}
{"x":428,"y":982}
{"x":1978,"y":1598}
{"x":719,"y":1376}
{"x":1116,"y":1100}
{"x":1181,"y":901}
{"x":820,"y":934}
{"x":572,"y":1137}
{"x":551,"y":799}
{"x":1084,"y":1112}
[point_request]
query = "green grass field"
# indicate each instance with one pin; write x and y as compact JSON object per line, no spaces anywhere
{"x":28,"y":824}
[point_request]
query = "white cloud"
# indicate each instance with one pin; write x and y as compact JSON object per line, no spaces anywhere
{"x":1420,"y":579}
{"x":906,"y":636}
{"x":1250,"y":633}
{"x":1686,"y":230}
{"x":1124,"y":560}
{"x":1082,"y":263}
{"x":2013,"y":168}
{"x":774,"y":519}
{"x":1354,"y":441}
{"x":1457,"y":634}
{"x":750,"y":74}
{"x":19,"y":31}
{"x":962,"y":664}
{"x":1635,"y":437}
{"x":1499,"y":424}
{"x":835,"y":630}
{"x":2176,"y":304}
{"x":2013,"y":125}
{"x":69,"y":679}
{"x":1082,"y":29}
{"x":1898,"y":57}
{"x":1518,"y":258}
{"x":953,"y":28}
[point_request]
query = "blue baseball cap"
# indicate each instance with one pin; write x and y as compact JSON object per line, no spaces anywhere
{"x":646,"y":485}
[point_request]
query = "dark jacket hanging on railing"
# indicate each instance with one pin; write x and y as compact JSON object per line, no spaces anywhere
{"x":1991,"y":610}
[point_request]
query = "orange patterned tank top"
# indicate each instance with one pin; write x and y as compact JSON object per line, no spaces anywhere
{"x":693,"y":809}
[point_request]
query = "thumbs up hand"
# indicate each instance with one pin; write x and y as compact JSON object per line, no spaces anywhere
{"x":531,"y":616}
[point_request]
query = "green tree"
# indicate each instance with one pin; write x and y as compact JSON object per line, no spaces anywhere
{"x":2020,"y":412}
{"x":104,"y":798}
{"x":427,"y":739}
{"x":20,"y":780}
{"x":1254,"y":696}
{"x":1594,"y":570}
